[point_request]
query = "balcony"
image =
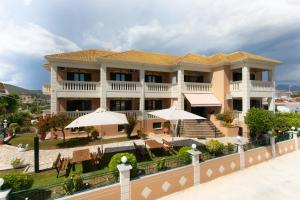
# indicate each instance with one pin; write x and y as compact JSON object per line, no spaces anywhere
{"x":46,"y":89}
{"x":197,"y":87}
{"x":162,"y":90}
{"x":257,"y":88}
{"x":76,"y":114}
{"x":72,"y":89}
{"x":123,"y":89}
{"x":262,"y":86}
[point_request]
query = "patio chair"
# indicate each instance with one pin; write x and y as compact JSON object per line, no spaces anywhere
{"x":61,"y":164}
{"x":139,"y":150}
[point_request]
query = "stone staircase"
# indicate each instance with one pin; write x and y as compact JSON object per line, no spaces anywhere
{"x":198,"y":129}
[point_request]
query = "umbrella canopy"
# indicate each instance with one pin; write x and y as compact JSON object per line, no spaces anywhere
{"x":172,"y":114}
{"x":98,"y":118}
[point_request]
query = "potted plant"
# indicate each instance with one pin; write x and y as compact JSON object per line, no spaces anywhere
{"x":16,"y":163}
{"x":166,"y":127}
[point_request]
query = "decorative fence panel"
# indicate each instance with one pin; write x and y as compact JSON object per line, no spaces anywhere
{"x":285,"y":147}
{"x":161,"y":184}
{"x":257,"y":155}
{"x":217,"y":167}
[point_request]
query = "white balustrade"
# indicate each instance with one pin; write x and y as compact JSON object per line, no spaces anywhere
{"x":79,"y":85}
{"x":235,"y":85}
{"x":197,"y":87}
{"x":158,"y":87}
{"x":149,"y":116}
{"x":123,"y":86}
{"x":130,"y":113}
{"x":261,"y":85}
{"x":76,"y":114}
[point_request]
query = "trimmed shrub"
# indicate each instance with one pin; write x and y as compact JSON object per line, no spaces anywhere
{"x":73,"y":184}
{"x":228,"y":116}
{"x":284,"y":121}
{"x":259,"y":121}
{"x":184,"y":156}
{"x":17,"y":182}
{"x":116,"y":160}
{"x":215,"y":147}
{"x":220,"y":117}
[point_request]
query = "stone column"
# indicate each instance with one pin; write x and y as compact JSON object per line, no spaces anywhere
{"x":240,"y":147}
{"x":54,"y":88}
{"x":272,"y":141}
{"x":103,"y":86}
{"x":246,"y":89}
{"x":180,"y":83}
{"x":295,"y":137}
{"x":195,"y":162}
{"x":142,"y":94}
{"x":124,"y":173}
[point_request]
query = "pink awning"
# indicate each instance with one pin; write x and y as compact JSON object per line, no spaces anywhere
{"x":202,"y":100}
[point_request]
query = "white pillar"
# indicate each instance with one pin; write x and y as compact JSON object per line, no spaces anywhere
{"x":246,"y":89}
{"x":103,"y":86}
{"x":240,"y":147}
{"x":295,"y":137}
{"x":124,"y":173}
{"x":142,"y":94}
{"x":273,"y":147}
{"x":195,"y":162}
{"x":180,"y":83}
{"x":54,"y":88}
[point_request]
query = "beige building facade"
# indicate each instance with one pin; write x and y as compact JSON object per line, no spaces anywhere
{"x":136,"y":82}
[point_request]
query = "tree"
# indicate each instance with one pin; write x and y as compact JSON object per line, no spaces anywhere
{"x":259,"y":121}
{"x":128,"y":128}
{"x":9,"y":103}
{"x":59,"y":122}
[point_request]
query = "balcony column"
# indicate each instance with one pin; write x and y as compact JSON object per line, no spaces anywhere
{"x":54,"y":87}
{"x":180,"y":83}
{"x":246,"y":89}
{"x":103,"y":86}
{"x":271,"y":100}
{"x":142,"y":94}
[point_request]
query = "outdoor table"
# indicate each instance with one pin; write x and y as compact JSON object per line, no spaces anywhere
{"x":81,"y":156}
{"x":153,"y":144}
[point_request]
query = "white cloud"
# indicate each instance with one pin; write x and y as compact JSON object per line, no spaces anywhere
{"x":29,"y":38}
{"x":222,"y":25}
{"x":27,"y":2}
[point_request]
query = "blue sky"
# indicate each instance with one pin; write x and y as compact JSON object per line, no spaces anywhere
{"x":31,"y":29}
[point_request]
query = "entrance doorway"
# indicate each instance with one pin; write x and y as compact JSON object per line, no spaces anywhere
{"x":201,"y":111}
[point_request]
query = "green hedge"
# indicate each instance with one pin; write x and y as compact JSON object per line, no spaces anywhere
{"x":116,"y":160}
{"x":184,"y":156}
{"x":17,"y":182}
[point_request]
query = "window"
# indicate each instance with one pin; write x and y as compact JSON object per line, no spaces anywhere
{"x":119,"y":105}
{"x":120,"y":76}
{"x":153,"y":104}
{"x":80,"y":105}
{"x":153,"y":79}
{"x":194,"y":79}
{"x":256,"y":103}
{"x":77,"y":76}
{"x":236,"y":76}
{"x":237,"y":104}
{"x":121,"y":128}
{"x":156,"y":125}
{"x":252,"y":76}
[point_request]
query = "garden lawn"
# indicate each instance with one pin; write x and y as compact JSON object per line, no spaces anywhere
{"x":27,"y":138}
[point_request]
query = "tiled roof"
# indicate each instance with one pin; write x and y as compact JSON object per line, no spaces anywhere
{"x":84,"y":55}
{"x":157,"y":58}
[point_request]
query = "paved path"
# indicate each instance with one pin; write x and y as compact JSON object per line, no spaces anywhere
{"x":277,"y":179}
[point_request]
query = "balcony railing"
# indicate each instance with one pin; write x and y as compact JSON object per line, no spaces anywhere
{"x":46,"y":89}
{"x":79,"y":85}
{"x":235,"y":85}
{"x":124,"y":86}
{"x":158,"y":87}
{"x":197,"y":87}
{"x":131,"y":113}
{"x":76,"y":114}
{"x":261,"y":85}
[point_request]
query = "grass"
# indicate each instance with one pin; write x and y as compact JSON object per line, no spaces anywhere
{"x":27,"y":138}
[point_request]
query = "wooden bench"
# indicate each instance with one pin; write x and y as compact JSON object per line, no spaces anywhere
{"x":61,"y":164}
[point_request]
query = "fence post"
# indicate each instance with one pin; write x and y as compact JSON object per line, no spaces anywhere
{"x":240,"y":147}
{"x":124,"y":174}
{"x":295,"y":137}
{"x":195,"y":162}
{"x":272,"y":141}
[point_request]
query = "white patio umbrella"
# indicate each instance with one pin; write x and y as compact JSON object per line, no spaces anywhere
{"x":97,"y":118}
{"x":174,"y":115}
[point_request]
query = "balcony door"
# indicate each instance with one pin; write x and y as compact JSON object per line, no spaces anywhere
{"x":120,"y":105}
{"x":80,"y":105}
{"x":78,"y":76}
{"x":120,"y":76}
{"x":193,"y":79}
{"x":153,"y":79}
